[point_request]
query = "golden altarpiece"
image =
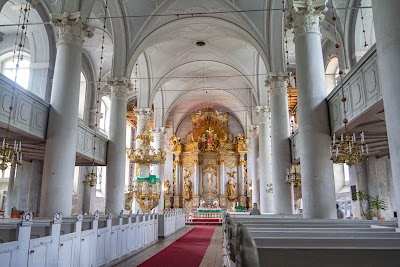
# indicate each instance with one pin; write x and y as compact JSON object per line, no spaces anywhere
{"x":209,"y":164}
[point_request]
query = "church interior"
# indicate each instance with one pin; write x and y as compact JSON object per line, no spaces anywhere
{"x":199,"y":133}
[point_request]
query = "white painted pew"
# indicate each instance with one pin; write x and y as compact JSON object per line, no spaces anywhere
{"x":92,"y":240}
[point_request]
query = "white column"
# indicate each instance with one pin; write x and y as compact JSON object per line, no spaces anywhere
{"x":318,"y":189}
{"x":387,"y":30}
{"x":158,"y":170}
{"x":89,"y":196}
{"x":252,"y":164}
{"x":196,"y":182}
{"x":280,"y":133}
{"x":10,"y":200}
{"x":59,"y":161}
{"x":116,"y":150}
{"x":266,"y":187}
{"x":35,"y":183}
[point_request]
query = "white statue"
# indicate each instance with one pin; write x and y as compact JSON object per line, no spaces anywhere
{"x":209,"y":179}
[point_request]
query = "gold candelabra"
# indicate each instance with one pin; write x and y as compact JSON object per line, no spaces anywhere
{"x":10,"y":155}
{"x":91,"y":178}
{"x":349,"y":150}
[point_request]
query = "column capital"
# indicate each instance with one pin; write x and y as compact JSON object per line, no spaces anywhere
{"x":305,"y":15}
{"x":254,"y":131}
{"x":119,"y":87}
{"x":262,"y":113}
{"x":71,"y":28}
{"x":158,"y":132}
{"x":143,"y":111}
{"x":278,"y":83}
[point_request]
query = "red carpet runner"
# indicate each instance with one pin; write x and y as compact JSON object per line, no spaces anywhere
{"x":187,"y":251}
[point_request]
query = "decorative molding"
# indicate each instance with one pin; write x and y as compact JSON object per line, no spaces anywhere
{"x":71,"y":28}
{"x":278,"y":83}
{"x":110,"y":215}
{"x":57,"y":218}
{"x":27,"y":218}
{"x":262,"y":113}
{"x":119,"y":87}
{"x":79,"y":217}
{"x":96,"y":215}
{"x":121,"y":213}
{"x":305,"y":16}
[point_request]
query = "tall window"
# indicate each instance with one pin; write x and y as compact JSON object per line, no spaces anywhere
{"x":82,"y":97}
{"x":332,"y":74}
{"x":9,"y":67}
{"x":105,"y":110}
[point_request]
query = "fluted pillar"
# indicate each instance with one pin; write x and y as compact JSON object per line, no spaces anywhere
{"x":116,"y":150}
{"x":280,"y":133}
{"x":266,"y":186}
{"x":387,"y":30}
{"x":318,"y":189}
{"x":177,"y":181}
{"x":241,"y":180}
{"x":222,"y":182}
{"x":60,"y":153}
{"x":196,"y":182}
{"x":252,"y":164}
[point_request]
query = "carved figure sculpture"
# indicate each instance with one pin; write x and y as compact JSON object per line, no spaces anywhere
{"x":231,"y":187}
{"x":167,"y":186}
{"x":187,"y":185}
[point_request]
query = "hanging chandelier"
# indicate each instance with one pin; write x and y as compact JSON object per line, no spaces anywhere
{"x":293,"y":175}
{"x":349,"y":149}
{"x":10,"y":155}
{"x":91,"y":177}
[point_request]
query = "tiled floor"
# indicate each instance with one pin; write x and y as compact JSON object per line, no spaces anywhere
{"x":212,"y":257}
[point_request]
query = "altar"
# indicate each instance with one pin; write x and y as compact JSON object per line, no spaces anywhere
{"x":210,"y":168}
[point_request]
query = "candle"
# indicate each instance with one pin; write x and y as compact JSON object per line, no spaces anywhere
{"x":354,"y":137}
{"x":19,"y":146}
{"x":330,"y":151}
{"x":341,"y":137}
{"x":362,"y":137}
{"x":366,"y":148}
{"x":333,"y":139}
{"x":4,"y":142}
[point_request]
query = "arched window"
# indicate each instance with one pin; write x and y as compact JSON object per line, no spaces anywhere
{"x":105,"y":119}
{"x":9,"y":68}
{"x":82,"y":97}
{"x":332,"y":75}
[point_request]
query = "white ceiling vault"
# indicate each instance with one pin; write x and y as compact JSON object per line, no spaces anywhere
{"x":182,"y":75}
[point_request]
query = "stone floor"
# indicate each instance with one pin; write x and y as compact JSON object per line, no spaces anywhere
{"x":212,"y":257}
